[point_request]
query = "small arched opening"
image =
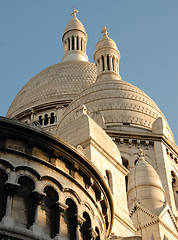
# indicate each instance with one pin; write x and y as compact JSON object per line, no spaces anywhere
{"x":72,"y":42}
{"x":125,"y":163}
{"x":51,"y":211}
{"x":70,"y":217}
{"x":86,"y":227}
{"x":98,"y":234}
{"x":23,"y":208}
{"x":3,"y":195}
{"x":52,"y":118}
{"x":175,"y":187}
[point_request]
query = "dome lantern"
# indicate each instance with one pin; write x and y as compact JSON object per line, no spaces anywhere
{"x":107,"y":56}
{"x":74,"y":40}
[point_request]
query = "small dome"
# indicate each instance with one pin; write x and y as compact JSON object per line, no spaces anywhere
{"x":144,"y":185}
{"x":74,"y":24}
{"x":105,"y":42}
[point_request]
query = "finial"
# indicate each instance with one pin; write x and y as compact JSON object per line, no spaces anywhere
{"x":105,"y":31}
{"x":74,"y":12}
{"x":141,"y":155}
{"x":85,"y":110}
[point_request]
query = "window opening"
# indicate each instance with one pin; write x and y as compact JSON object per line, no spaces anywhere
{"x":46,"y":119}
{"x":70,"y":217}
{"x":52,"y":118}
{"x":72,"y":43}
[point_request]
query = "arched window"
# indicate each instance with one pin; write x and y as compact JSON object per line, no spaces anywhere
{"x":136,"y":161}
{"x":175,"y":187}
{"x":77,"y":43}
{"x":108,"y":67}
{"x":70,"y":217}
{"x":86,"y":227}
{"x":40,"y":120}
{"x":3,"y":195}
{"x":125,"y":163}
{"x":46,"y":119}
{"x":50,"y":211}
{"x":102,"y":58}
{"x":113,"y":64}
{"x":23,"y":208}
{"x":98,"y":236}
{"x":52,"y":118}
{"x":109,"y":179}
{"x":68,"y":44}
{"x":72,"y":42}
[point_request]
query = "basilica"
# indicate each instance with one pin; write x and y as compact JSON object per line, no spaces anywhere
{"x":85,"y":155}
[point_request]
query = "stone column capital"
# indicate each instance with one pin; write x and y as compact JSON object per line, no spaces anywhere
{"x":37,"y":196}
{"x":79,"y":220}
{"x":62,"y":207}
{"x":11,"y":188}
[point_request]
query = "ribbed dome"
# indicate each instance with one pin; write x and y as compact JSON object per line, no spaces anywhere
{"x":62,"y":81}
{"x":145,"y":185}
{"x":119,"y":103}
{"x":74,"y":24}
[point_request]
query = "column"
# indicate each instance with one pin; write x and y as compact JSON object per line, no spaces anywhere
{"x":101,"y":65}
{"x":11,"y":188}
{"x":84,"y":47}
{"x":93,"y":234}
{"x":79,"y":221}
{"x":110,"y":63}
{"x":71,"y":43}
{"x":105,"y":63}
{"x":114,"y":62}
{"x":79,"y":43}
{"x":98,"y":66}
{"x":62,"y":233}
{"x":82,"y":44}
{"x":75,"y":43}
{"x":37,"y":197}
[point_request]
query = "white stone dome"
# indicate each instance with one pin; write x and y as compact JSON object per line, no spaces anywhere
{"x":74,"y":24}
{"x":120,"y":103}
{"x":57,"y":83}
{"x":144,"y":186}
{"x":106,"y":42}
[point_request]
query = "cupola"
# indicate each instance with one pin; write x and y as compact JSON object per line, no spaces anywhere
{"x":107,"y":57}
{"x":74,"y":40}
{"x":144,"y":186}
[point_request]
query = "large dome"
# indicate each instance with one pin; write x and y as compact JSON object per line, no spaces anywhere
{"x":120,"y":103}
{"x":62,"y":81}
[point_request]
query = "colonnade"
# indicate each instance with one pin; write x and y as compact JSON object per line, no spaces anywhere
{"x":75,"y":43}
{"x":107,"y":63}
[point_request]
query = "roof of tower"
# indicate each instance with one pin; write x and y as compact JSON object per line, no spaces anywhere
{"x":74,"y":24}
{"x":105,"y":42}
{"x":144,"y":186}
{"x":143,"y":174}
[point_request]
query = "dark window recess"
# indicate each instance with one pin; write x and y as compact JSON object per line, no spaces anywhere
{"x":52,"y":118}
{"x":46,"y":119}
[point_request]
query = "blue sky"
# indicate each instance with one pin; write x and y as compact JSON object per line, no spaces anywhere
{"x":146,"y":33}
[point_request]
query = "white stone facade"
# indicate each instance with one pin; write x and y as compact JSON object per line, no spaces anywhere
{"x":93,"y":157}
